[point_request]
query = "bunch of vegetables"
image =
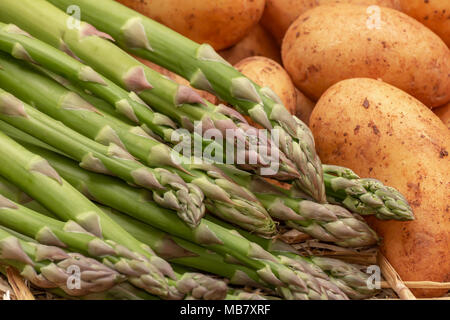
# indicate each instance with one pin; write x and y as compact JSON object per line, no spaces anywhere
{"x":92,"y":174}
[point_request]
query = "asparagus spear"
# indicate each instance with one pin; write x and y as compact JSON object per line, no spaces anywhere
{"x":325,"y":222}
{"x":181,"y":103}
{"x":168,"y":189}
{"x":123,"y":291}
{"x":331,"y":273}
{"x":347,"y":277}
{"x":206,"y":70}
{"x":22,"y":46}
{"x":71,"y":235}
{"x":222,"y":195}
{"x":118,"y":195}
{"x":185,"y":253}
{"x":52,"y":267}
{"x":365,"y":196}
{"x":168,"y":247}
{"x":120,"y":291}
{"x":191,"y":284}
{"x":14,"y":194}
{"x":37,"y":178}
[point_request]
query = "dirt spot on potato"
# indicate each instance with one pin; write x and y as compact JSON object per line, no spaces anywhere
{"x":417,"y":200}
{"x":443,"y":153}
{"x":375,"y":129}
{"x":313,"y":68}
{"x":366,"y":103}
{"x":356,"y":130}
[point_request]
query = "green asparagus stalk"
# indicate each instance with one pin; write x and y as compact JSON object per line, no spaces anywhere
{"x":123,"y":291}
{"x":193,"y":285}
{"x":365,"y":196}
{"x":206,"y":70}
{"x":168,"y":189}
{"x":37,"y":178}
{"x":134,"y":202}
{"x":22,"y":46}
{"x":350,"y":279}
{"x":168,"y":247}
{"x":120,"y":291}
{"x":185,"y":253}
{"x":326,"y":222}
{"x":71,"y":235}
{"x":14,"y":194}
{"x":52,"y":267}
{"x":338,"y":277}
{"x":181,"y":103}
{"x":222,"y":196}
{"x":244,"y":295}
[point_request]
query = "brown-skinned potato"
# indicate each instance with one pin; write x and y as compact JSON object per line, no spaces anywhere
{"x":279,"y":14}
{"x":328,"y":44}
{"x":258,"y":42}
{"x":435,"y":14}
{"x":304,"y":107}
{"x":221,"y":23}
{"x":267,"y":73}
{"x":382,"y":132}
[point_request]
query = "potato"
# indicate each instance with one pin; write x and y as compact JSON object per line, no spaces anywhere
{"x":435,"y":14}
{"x":382,"y":132}
{"x":258,"y":42}
{"x":279,"y":14}
{"x":328,"y":44}
{"x":221,"y":23}
{"x":444,"y":114}
{"x":173,"y":76}
{"x":268,"y":73}
{"x":304,"y":106}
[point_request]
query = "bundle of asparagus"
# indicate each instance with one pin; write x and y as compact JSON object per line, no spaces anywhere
{"x":228,"y":199}
{"x":89,"y":172}
{"x":206,"y":70}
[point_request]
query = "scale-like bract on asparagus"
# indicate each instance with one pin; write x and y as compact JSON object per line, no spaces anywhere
{"x":50,"y":267}
{"x":36,"y":177}
{"x":365,"y":196}
{"x":168,"y":188}
{"x":223,"y":197}
{"x":206,"y":70}
{"x":181,"y":103}
{"x":120,"y":196}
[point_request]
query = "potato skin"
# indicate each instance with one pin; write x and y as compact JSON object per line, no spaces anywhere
{"x":382,"y":132}
{"x":279,"y":14}
{"x":268,"y":73}
{"x":435,"y":14}
{"x":221,"y":23}
{"x":328,"y":44}
{"x":444,"y":114}
{"x":304,"y":106}
{"x":258,"y":42}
